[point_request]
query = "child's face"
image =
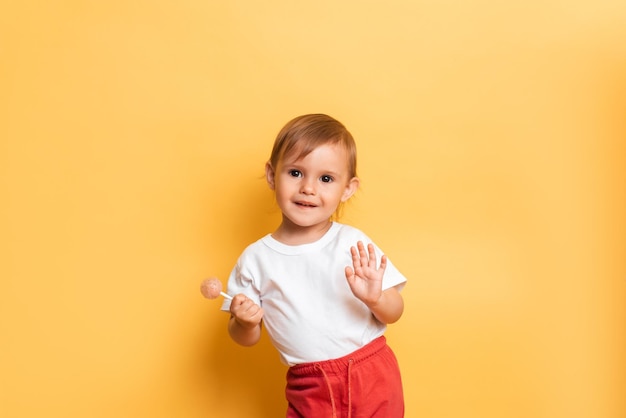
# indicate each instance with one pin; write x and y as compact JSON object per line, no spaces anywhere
{"x":309,"y":189}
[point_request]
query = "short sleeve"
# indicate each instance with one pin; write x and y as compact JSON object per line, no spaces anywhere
{"x":393,"y":277}
{"x":241,"y":281}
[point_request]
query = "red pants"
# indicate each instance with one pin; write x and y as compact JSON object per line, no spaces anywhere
{"x":364,"y":384}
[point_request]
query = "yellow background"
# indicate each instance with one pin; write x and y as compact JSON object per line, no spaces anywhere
{"x":492,"y":149}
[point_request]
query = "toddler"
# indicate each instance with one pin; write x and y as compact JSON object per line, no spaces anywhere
{"x":317,"y":285}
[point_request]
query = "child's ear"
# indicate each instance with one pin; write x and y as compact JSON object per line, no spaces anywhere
{"x":351,"y":188}
{"x":269,"y":175}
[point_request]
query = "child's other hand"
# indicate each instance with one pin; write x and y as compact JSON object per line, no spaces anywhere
{"x":365,"y":280}
{"x":247,"y":313}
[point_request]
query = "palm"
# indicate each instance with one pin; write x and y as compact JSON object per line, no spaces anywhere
{"x":364,"y":277}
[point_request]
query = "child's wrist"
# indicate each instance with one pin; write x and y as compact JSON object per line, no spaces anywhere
{"x":372,"y":305}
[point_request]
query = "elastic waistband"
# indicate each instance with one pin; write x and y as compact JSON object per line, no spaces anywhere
{"x":339,"y":365}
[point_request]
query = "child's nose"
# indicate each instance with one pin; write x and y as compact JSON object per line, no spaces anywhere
{"x":307,"y":186}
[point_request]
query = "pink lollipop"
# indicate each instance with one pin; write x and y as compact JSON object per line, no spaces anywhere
{"x":212,"y":288}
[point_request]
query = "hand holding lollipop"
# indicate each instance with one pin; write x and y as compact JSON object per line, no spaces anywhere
{"x":244,"y":311}
{"x":211,"y":288}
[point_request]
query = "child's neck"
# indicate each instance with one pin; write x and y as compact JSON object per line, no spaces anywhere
{"x":291,"y":234}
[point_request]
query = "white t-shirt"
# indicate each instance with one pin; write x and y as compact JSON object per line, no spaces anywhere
{"x":310,"y":311}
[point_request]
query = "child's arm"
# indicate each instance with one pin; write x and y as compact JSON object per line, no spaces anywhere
{"x":388,"y":309}
{"x":366,"y":282}
{"x":244,"y":325}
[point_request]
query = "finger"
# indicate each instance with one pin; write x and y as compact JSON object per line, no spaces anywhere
{"x":252,"y":311}
{"x":259,"y":314}
{"x":372,"y":255}
{"x":240,"y":298}
{"x":362,"y":254}
{"x":356,"y":260}
{"x":383,"y":264}
{"x":251,"y":314}
{"x":241,"y":305}
{"x":255,"y":313}
{"x":251,"y":308}
{"x":237,"y":301}
{"x":349,"y":273}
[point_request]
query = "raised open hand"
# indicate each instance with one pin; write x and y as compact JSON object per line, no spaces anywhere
{"x":365,"y":278}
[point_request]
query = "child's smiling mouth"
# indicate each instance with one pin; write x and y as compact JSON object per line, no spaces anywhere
{"x":306,"y":204}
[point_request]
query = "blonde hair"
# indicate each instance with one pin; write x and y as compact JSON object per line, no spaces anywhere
{"x":303,"y":134}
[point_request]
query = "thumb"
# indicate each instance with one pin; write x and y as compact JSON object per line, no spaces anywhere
{"x":349,"y":275}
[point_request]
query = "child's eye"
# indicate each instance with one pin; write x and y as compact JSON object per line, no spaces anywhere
{"x":326,"y":179}
{"x":295,"y":173}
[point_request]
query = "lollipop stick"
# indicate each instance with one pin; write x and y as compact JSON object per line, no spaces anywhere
{"x":227,"y":296}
